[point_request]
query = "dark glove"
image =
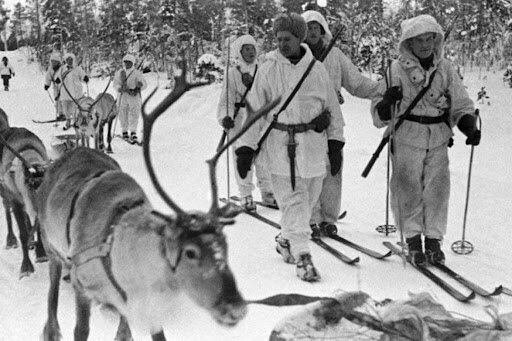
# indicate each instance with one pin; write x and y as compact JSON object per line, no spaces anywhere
{"x":391,"y":95}
{"x":86,"y":79}
{"x":57,"y":81}
{"x":467,"y":125}
{"x":247,"y":79}
{"x":46,"y":87}
{"x":227,"y":122}
{"x":13,"y":74}
{"x":322,"y":121}
{"x":244,"y":156}
{"x":335,"y":156}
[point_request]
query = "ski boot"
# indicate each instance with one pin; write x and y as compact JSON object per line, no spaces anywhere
{"x":125,"y":136}
{"x":315,"y":231}
{"x":283,"y":248}
{"x":268,"y":199}
{"x":305,"y":269}
{"x":248,"y":204}
{"x":328,"y":229}
{"x":133,"y":138}
{"x":433,"y":251}
{"x":416,"y":255}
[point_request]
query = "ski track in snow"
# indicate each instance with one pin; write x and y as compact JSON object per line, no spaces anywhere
{"x":187,"y":135}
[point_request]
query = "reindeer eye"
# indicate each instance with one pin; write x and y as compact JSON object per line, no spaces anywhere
{"x":192,"y":252}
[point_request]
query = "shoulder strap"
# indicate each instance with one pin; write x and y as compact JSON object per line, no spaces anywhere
{"x":419,"y":95}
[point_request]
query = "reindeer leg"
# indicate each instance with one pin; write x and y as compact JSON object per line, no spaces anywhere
{"x":12,"y":242}
{"x":83,"y":316}
{"x":51,"y":331}
{"x":158,"y":336}
{"x":21,"y":218}
{"x":123,"y":331}
{"x":109,"y":136}
{"x":41,"y":255}
{"x":99,"y":137}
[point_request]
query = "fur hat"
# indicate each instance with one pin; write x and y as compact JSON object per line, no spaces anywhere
{"x":129,"y":58}
{"x":291,"y":22}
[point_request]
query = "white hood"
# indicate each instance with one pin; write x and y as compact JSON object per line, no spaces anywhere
{"x":418,"y":25}
{"x":319,"y":18}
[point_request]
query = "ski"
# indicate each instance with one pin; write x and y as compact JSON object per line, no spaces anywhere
{"x":467,"y":283}
{"x":261,"y":203}
{"x":470,"y":285}
{"x":49,"y":121}
{"x":434,"y":278}
{"x":507,"y":291}
{"x":344,"y":258}
{"x":360,"y":248}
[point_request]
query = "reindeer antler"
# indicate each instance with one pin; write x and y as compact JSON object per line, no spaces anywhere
{"x":212,"y":163}
{"x":181,"y":87}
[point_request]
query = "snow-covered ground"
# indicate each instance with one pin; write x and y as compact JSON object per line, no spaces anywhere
{"x":187,"y":135}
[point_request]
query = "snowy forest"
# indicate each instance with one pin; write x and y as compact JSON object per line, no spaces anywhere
{"x":101,"y":32}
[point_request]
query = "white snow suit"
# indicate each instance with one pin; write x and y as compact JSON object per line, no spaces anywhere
{"x":51,"y":78}
{"x":420,"y":183}
{"x":342,"y":74}
{"x":232,"y":92}
{"x":129,"y":98}
{"x":278,"y":77}
{"x":72,"y":77}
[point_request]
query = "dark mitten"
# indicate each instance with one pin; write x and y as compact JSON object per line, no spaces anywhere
{"x":335,"y":156}
{"x":46,"y":87}
{"x":391,"y":95}
{"x":227,"y":122}
{"x":247,"y":79}
{"x":322,"y":121}
{"x":244,"y":156}
{"x":467,"y":125}
{"x":86,"y":79}
{"x":57,"y":81}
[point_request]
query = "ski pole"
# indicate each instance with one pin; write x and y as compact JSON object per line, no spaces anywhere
{"x":464,"y":247}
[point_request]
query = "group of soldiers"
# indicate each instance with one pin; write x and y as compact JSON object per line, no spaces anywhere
{"x":297,"y":148}
{"x":67,"y":78}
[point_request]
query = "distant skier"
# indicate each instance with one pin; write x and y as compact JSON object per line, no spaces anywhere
{"x":54,"y":77}
{"x":343,"y":74}
{"x":6,"y":71}
{"x":310,"y":127}
{"x":72,"y":77}
{"x":482,"y":95}
{"x":234,"y":90}
{"x":129,"y":82}
{"x":420,"y":184}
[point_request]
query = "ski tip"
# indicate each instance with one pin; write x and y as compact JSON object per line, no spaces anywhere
{"x":470,"y":297}
{"x":342,"y":215}
{"x":497,"y":291}
{"x":506,"y":291}
{"x":354,"y":261}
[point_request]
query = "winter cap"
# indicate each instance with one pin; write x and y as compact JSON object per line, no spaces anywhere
{"x":418,"y":25}
{"x":129,"y":58}
{"x":240,"y":42}
{"x":291,"y":22}
{"x":311,"y":15}
{"x":56,"y":57}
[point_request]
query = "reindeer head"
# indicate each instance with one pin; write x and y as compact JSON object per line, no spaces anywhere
{"x":195,"y":245}
{"x":86,"y":117}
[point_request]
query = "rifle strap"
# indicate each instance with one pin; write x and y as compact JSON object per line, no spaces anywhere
{"x":415,"y":101}
{"x":285,"y":104}
{"x":241,"y":103}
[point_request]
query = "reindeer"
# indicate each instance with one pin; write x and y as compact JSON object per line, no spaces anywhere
{"x":23,"y":157}
{"x":98,"y":222}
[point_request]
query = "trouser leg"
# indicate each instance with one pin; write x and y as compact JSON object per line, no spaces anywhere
{"x":407,"y":189}
{"x":436,"y":192}
{"x":328,"y":207}
{"x":245,"y":186}
{"x":295,"y":206}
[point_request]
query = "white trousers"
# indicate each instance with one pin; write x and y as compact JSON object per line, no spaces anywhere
{"x":296,"y":206}
{"x":420,"y":190}
{"x":246,"y":186}
{"x":129,"y":111}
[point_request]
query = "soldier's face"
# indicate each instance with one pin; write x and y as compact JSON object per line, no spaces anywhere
{"x":423,"y":45}
{"x":248,"y":53}
{"x":288,"y":44}
{"x":128,"y":64}
{"x":314,"y":32}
